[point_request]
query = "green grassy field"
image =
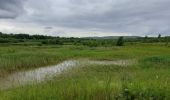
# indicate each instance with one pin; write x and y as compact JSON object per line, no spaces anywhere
{"x":149,"y":78}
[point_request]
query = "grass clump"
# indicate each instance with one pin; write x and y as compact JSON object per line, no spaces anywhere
{"x":156,"y":61}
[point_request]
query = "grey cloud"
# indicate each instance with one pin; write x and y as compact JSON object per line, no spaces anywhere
{"x":135,"y":16}
{"x":11,"y":8}
{"x":138,"y":17}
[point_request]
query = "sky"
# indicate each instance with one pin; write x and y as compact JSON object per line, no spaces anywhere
{"x":83,"y":18}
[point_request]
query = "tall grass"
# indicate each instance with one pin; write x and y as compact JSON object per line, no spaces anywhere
{"x":98,"y":83}
{"x":149,"y":79}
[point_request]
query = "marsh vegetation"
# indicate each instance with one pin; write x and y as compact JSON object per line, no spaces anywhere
{"x":147,"y":77}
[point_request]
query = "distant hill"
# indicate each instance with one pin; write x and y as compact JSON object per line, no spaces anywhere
{"x":113,"y":37}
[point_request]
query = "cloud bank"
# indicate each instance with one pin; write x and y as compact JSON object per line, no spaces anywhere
{"x":86,"y":17}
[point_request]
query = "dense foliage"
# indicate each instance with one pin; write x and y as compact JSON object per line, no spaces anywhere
{"x":88,"y":41}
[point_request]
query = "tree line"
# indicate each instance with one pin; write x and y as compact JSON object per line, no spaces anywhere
{"x":91,"y":42}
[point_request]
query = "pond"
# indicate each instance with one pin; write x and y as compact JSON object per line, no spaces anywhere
{"x":46,"y":73}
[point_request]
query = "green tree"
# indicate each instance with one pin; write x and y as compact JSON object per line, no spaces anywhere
{"x":120,"y":41}
{"x":159,"y":36}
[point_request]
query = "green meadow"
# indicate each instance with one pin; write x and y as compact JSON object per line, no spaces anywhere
{"x":146,"y":79}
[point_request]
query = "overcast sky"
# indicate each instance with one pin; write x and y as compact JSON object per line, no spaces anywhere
{"x":81,"y":18}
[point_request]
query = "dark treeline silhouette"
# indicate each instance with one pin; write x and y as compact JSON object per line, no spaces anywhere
{"x":24,"y":36}
{"x":91,"y":42}
{"x":17,"y":38}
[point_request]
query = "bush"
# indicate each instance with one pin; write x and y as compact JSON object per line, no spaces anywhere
{"x":52,"y":41}
{"x":4,"y":40}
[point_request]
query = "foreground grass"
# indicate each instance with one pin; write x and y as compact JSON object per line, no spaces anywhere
{"x":148,"y":79}
{"x":99,"y":83}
